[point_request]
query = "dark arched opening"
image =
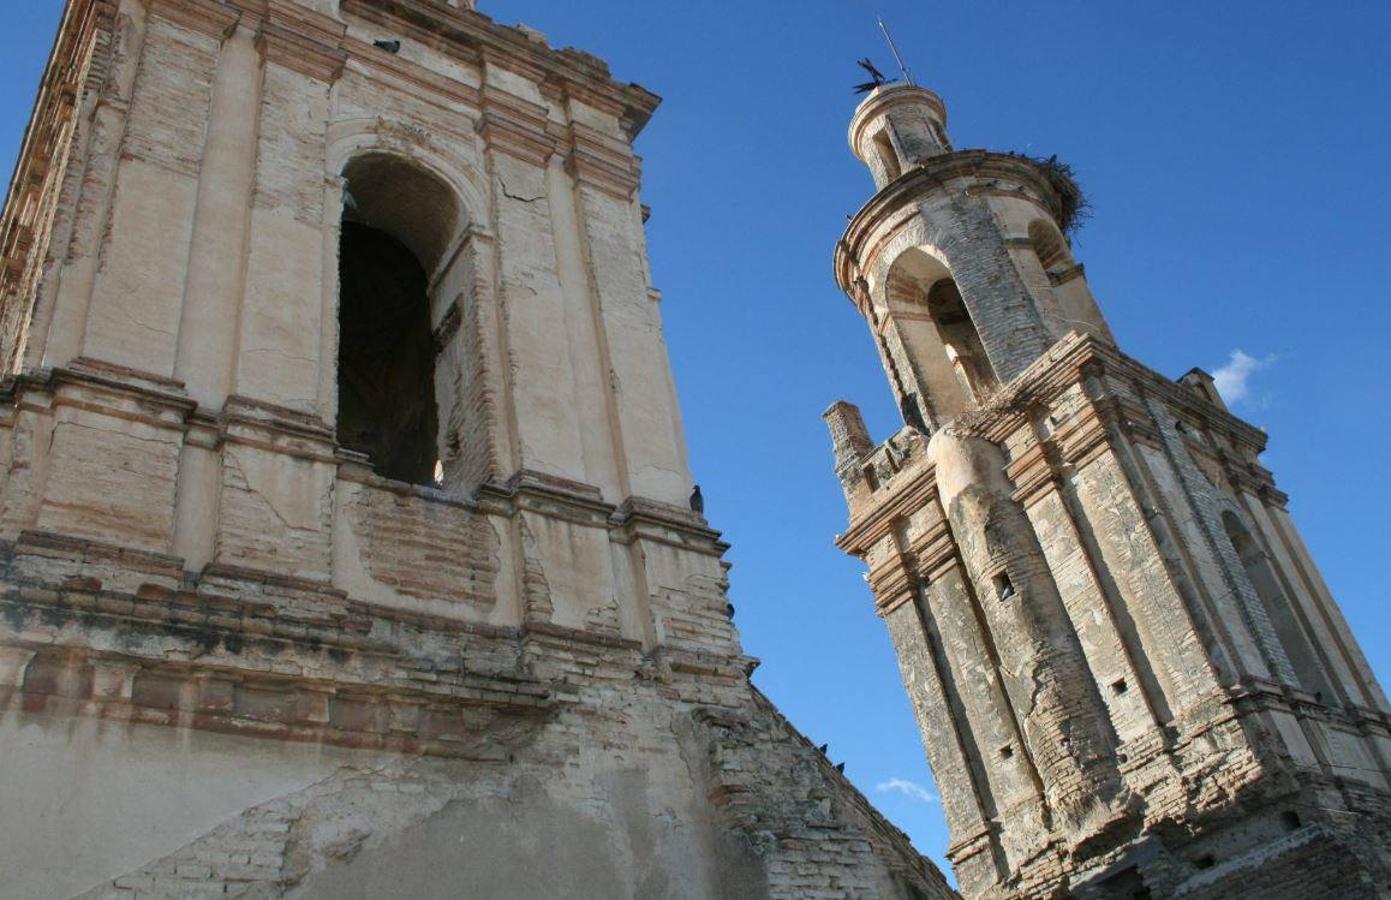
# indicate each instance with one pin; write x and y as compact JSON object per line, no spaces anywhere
{"x":887,"y":156}
{"x":961,"y":340}
{"x":386,"y":356}
{"x":1050,"y":246}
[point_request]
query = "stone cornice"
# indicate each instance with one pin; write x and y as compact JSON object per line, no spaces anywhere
{"x":640,"y":518}
{"x":420,"y":81}
{"x":53,"y":111}
{"x":472,"y":34}
{"x":210,"y":17}
{"x":300,"y":663}
{"x":922,"y":181}
{"x":1073,"y":357}
{"x":221,"y":663}
{"x":515,"y":126}
{"x":161,"y":402}
{"x":302,"y":40}
{"x":102,"y":387}
{"x":636,"y":518}
{"x":601,"y":162}
{"x":1070,"y":361}
{"x":900,"y":499}
{"x":276,"y":429}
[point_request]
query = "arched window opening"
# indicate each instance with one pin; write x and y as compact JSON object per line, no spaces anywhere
{"x":386,"y":378}
{"x":1256,"y":562}
{"x":961,"y":340}
{"x":399,"y":223}
{"x":887,"y":156}
{"x":1050,"y":246}
{"x":935,"y":357}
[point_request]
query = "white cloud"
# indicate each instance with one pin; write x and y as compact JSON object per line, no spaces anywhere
{"x":909,"y":789}
{"x":1233,"y":379}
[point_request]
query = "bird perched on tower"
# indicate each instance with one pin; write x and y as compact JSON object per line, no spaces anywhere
{"x":876,"y":76}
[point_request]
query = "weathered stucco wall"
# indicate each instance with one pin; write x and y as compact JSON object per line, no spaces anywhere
{"x":283,"y":742}
{"x":141,"y":810}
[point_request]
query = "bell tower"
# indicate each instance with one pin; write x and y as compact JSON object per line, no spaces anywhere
{"x":1130,"y":678}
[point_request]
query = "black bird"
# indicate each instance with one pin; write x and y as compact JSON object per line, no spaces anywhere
{"x":697,"y":501}
{"x":729,"y":610}
{"x":840,"y":767}
{"x":388,"y":46}
{"x":823,"y":748}
{"x":876,"y":76}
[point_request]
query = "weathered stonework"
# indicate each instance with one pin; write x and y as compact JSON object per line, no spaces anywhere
{"x":1130,"y":678}
{"x":242,"y":657}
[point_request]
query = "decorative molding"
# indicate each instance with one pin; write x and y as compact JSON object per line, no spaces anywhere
{"x":310,"y":43}
{"x":516,"y":127}
{"x":468,"y":34}
{"x":601,"y":162}
{"x":427,"y":85}
{"x":1063,"y":276}
{"x":210,"y":17}
{"x":865,"y":234}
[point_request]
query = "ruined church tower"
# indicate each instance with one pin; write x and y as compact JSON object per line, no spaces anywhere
{"x":1130,"y":678}
{"x":347,"y":546}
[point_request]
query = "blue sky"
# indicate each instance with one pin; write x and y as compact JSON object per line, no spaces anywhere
{"x":1235,"y":153}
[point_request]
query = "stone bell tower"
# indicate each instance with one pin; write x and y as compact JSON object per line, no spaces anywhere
{"x":1130,"y":678}
{"x":347,"y":546}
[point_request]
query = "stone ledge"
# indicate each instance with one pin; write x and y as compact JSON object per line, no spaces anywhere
{"x":239,"y":651}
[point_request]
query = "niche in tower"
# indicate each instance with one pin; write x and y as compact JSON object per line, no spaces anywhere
{"x":930,"y":341}
{"x":888,"y":156}
{"x":1300,"y":652}
{"x":961,"y":341}
{"x":398,"y":221}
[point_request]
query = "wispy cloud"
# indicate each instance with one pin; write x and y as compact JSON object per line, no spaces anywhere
{"x":910,"y":789}
{"x":1234,"y":379}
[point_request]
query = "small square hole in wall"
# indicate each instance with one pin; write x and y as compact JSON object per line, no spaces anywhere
{"x":1004,"y":588}
{"x":1119,"y":686}
{"x":1291,"y":820}
{"x":1007,"y":752}
{"x":1207,"y":861}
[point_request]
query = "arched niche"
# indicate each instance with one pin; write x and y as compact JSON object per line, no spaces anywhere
{"x":888,"y":156}
{"x":1051,"y":247}
{"x":1260,"y":571}
{"x":932,"y":331}
{"x":1072,"y":298}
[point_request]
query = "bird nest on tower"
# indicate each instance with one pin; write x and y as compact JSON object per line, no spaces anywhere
{"x":1076,"y":209}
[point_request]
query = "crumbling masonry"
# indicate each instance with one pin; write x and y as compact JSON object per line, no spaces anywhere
{"x":1130,"y":678}
{"x":345,"y":541}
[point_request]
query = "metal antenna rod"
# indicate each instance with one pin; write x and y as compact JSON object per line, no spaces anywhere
{"x":907,"y":72}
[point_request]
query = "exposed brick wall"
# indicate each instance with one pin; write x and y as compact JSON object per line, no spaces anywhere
{"x":274,"y":513}
{"x":173,"y":89}
{"x":425,"y":548}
